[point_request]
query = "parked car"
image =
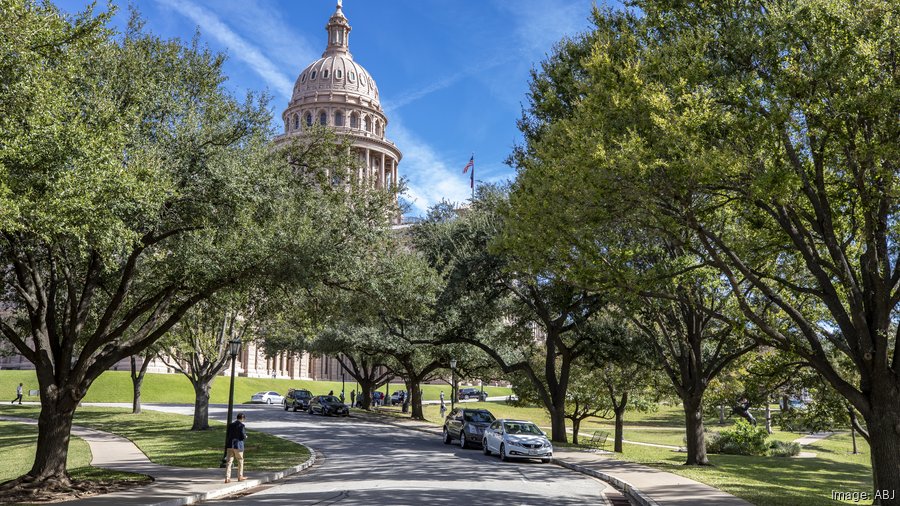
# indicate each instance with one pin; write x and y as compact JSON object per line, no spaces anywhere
{"x":327,"y":405}
{"x":517,"y":439}
{"x":267,"y":398}
{"x":472,"y":393}
{"x":297,"y":399}
{"x":398,"y":397}
{"x":466,"y":425}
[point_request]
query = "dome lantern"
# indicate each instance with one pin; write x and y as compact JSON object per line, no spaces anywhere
{"x":338,"y":29}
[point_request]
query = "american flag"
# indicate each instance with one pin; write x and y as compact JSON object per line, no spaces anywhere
{"x":470,"y":165}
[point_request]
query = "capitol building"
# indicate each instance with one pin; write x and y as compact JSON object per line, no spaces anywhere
{"x":337,"y":92}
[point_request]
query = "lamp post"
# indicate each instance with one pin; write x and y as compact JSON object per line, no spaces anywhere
{"x":342,"y":386}
{"x":452,"y":383}
{"x":234,"y":347}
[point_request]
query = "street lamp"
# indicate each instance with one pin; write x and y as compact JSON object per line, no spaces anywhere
{"x":234,"y":347}
{"x":452,"y":383}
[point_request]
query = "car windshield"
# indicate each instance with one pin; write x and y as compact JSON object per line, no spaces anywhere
{"x":330,"y":398}
{"x":301,"y":395}
{"x":478,"y":416}
{"x":522,"y":428}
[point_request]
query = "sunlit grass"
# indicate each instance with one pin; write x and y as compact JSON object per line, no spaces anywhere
{"x":166,"y":439}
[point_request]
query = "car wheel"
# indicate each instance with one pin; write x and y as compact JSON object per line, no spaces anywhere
{"x":295,"y":408}
{"x":286,"y":407}
{"x":484,"y":447}
{"x":446,"y":436}
{"x":545,"y":461}
{"x":268,"y":401}
{"x":462,"y":440}
{"x":503,"y":456}
{"x":311,"y":411}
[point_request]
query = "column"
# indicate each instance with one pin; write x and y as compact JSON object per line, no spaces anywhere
{"x":381,"y":172}
{"x":394,"y":173}
{"x":368,"y":167}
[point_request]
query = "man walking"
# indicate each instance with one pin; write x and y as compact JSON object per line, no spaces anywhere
{"x":19,"y":390}
{"x":237,"y":433}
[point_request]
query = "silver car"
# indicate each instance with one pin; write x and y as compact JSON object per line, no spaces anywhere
{"x":517,"y":439}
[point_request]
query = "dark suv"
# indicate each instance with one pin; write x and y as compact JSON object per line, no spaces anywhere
{"x":297,"y":399}
{"x":472,"y":393}
{"x":466,"y":425}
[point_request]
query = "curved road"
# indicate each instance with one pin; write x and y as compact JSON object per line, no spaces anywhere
{"x":368,"y":463}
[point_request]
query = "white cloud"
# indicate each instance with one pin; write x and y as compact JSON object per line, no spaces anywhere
{"x":239,"y":48}
{"x":430,"y":178}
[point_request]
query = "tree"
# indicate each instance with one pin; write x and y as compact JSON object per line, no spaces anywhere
{"x":134,"y":186}
{"x":769,"y":132}
{"x":137,"y":376}
{"x":198,"y":348}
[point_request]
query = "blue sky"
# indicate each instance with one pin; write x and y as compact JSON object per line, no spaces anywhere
{"x":452,"y":74}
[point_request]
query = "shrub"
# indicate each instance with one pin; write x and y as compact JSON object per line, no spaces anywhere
{"x":784,"y":449}
{"x":742,"y":439}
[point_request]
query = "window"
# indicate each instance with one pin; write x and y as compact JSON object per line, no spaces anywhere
{"x":296,"y":121}
{"x":323,"y":118}
{"x":339,"y":119}
{"x":354,"y":120}
{"x":303,"y":78}
{"x":308,"y":119}
{"x":325,"y":74}
{"x":367,"y":126}
{"x":313,"y":76}
{"x":338,"y":74}
{"x":351,"y":76}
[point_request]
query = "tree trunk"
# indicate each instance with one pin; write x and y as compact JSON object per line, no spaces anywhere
{"x":768,"y":417}
{"x":576,"y":425}
{"x":558,"y":424}
{"x":366,"y":389}
{"x":721,"y":414}
{"x":137,"y":381}
{"x":620,"y":427}
{"x":883,"y":422}
{"x":54,"y":428}
{"x":696,"y":442}
{"x":201,"y":405}
{"x":415,"y":398}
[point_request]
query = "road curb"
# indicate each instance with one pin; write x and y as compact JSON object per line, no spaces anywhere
{"x":633,"y":495}
{"x":243,"y":485}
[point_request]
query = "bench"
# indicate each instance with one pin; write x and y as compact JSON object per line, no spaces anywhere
{"x":598,"y":439}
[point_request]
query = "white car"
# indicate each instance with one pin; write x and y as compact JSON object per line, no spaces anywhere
{"x":267,"y":398}
{"x":517,"y":439}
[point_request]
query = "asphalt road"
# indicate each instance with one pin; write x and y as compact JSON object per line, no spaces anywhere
{"x":368,"y":463}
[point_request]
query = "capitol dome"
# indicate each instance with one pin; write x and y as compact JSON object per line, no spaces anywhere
{"x":337,"y":92}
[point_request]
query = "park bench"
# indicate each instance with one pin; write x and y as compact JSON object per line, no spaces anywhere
{"x":599,"y":438}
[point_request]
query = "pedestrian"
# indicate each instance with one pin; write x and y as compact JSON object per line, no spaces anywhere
{"x":442,"y":396}
{"x":331,"y":392}
{"x":237,"y":433}
{"x":443,"y":407}
{"x":19,"y":390}
{"x":353,"y":397}
{"x":342,"y":396}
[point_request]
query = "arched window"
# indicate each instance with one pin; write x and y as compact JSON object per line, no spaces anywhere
{"x":354,"y":120}
{"x":313,"y":76}
{"x":338,"y":118}
{"x":303,"y":78}
{"x":323,"y":118}
{"x":367,"y":124}
{"x":338,"y":74}
{"x":379,"y":129}
{"x":296,"y":122}
{"x":309,"y":119}
{"x":351,"y":76}
{"x":325,"y":74}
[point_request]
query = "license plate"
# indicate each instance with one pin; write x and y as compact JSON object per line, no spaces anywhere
{"x":533,"y":452}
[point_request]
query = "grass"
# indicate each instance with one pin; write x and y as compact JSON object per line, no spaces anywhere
{"x":115,"y":386}
{"x":166,"y":438}
{"x":18,"y":441}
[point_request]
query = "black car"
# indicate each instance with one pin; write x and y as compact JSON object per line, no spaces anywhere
{"x":327,"y":405}
{"x":472,"y":393}
{"x":297,"y":399}
{"x":467,"y":425}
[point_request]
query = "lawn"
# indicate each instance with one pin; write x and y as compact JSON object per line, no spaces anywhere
{"x":115,"y":386}
{"x":18,"y":441}
{"x":166,"y":438}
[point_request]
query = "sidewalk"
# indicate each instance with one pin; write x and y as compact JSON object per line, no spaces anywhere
{"x":642,"y":485}
{"x":172,"y":486}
